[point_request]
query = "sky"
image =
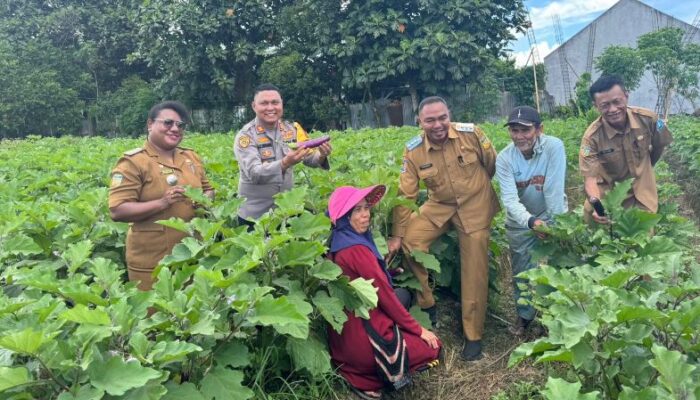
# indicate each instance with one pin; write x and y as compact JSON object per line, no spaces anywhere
{"x":576,"y":15}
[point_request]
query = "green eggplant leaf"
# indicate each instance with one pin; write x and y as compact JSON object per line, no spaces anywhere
{"x":116,"y":377}
{"x":332,"y":310}
{"x":309,"y":354}
{"x":224,"y":384}
{"x":11,"y":377}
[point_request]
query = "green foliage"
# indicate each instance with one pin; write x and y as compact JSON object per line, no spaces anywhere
{"x":240,"y":314}
{"x":673,"y":64}
{"x":308,"y":93}
{"x":620,"y":304}
{"x":622,"y":61}
{"x":583,"y":100}
{"x":124,"y":111}
{"x":427,"y":47}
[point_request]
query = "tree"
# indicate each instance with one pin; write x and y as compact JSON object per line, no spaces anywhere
{"x":206,"y":52}
{"x":583,"y":99}
{"x":35,"y":100}
{"x":673,"y":64}
{"x":417,"y":46}
{"x":622,"y":61}
{"x":308,"y":96}
{"x":76,"y":48}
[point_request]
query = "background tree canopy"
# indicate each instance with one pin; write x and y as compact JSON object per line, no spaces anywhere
{"x":70,"y":65}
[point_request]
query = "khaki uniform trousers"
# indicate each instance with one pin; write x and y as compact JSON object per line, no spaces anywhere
{"x":474,"y":265}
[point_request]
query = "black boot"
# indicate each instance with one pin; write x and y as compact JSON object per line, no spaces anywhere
{"x":472,"y":350}
{"x":432,"y":314}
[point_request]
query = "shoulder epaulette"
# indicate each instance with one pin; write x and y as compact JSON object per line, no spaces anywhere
{"x":414,"y":142}
{"x":184,"y":148}
{"x":594,"y":126}
{"x":464,"y":127}
{"x":643,"y":111}
{"x":133,"y":151}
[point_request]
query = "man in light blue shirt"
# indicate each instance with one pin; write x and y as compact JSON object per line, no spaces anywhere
{"x":531,"y":173}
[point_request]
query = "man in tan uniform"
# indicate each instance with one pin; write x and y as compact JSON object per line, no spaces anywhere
{"x":456,"y":161}
{"x":624,"y":142}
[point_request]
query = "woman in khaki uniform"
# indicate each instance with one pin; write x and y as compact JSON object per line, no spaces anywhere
{"x":148,"y":186}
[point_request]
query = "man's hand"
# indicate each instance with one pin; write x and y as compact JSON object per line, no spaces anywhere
{"x":394,"y":245}
{"x":539,"y":223}
{"x":295,"y":157}
{"x":600,"y":220}
{"x":325,"y":149}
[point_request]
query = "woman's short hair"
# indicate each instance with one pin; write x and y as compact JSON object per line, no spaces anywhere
{"x":176,"y":106}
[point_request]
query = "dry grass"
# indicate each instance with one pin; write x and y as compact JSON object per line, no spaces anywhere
{"x":457,"y":379}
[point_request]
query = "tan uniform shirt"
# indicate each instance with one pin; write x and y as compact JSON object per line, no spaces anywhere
{"x":259,"y":152}
{"x":140,"y":175}
{"x":613,"y":156}
{"x":458,"y":177}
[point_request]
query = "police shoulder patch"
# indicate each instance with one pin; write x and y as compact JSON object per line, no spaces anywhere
{"x":464,"y":127}
{"x":243,"y":141}
{"x":133,"y":151}
{"x":414,"y":142}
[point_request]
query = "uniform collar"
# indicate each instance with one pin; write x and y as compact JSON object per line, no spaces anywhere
{"x":152,"y":152}
{"x":451,"y":134}
{"x":632,"y":122}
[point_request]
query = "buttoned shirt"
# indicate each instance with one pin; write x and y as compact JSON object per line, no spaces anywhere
{"x":259,"y":152}
{"x":611,"y":155}
{"x":140,"y":176}
{"x":457,"y":174}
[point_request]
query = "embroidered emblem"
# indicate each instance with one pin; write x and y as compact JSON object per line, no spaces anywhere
{"x":263,"y":139}
{"x":260,"y":129}
{"x":414,"y":142}
{"x":165,"y":171}
{"x":266,"y":153}
{"x":243,"y":141}
{"x":485,"y":142}
{"x":287,"y":135}
{"x":660,"y":125}
{"x":464,"y":127}
{"x":191,"y":164}
{"x":117,"y":179}
{"x":585,"y":151}
{"x":403,"y":166}
{"x":640,"y":137}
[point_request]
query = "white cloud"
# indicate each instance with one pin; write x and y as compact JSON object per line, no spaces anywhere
{"x":570,"y":12}
{"x":521,"y":57}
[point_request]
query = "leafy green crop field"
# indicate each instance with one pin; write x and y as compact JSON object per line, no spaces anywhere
{"x":242,"y":315}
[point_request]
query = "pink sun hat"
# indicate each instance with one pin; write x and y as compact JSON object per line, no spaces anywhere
{"x":344,"y":198}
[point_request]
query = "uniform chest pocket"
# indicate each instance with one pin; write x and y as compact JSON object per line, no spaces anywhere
{"x":468,"y":164}
{"x":431,"y":177}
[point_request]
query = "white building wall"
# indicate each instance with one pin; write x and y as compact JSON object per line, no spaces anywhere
{"x":620,"y":25}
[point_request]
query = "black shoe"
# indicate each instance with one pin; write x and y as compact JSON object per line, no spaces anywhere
{"x":520,"y":327}
{"x":472,"y":350}
{"x":432,"y":314}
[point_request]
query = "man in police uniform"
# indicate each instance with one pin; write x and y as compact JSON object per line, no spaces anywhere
{"x":265,"y":159}
{"x":456,"y":161}
{"x":624,"y":142}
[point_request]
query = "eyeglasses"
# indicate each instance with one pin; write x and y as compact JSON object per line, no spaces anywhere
{"x":615,"y":103}
{"x":168,"y":123}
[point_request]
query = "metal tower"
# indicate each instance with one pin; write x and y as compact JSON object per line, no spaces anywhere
{"x":563,"y":62}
